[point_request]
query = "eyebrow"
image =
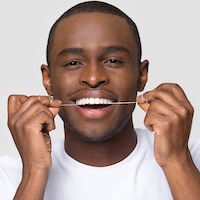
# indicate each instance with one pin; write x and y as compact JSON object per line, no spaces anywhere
{"x":107,"y":49}
{"x":71,"y":51}
{"x":115,"y":48}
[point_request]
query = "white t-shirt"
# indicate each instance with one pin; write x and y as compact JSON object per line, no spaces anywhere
{"x":137,"y":177}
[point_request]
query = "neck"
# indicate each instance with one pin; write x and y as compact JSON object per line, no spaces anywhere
{"x":103,"y":153}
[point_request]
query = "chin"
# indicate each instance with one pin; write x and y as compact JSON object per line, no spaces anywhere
{"x":93,"y":135}
{"x":96,"y":139}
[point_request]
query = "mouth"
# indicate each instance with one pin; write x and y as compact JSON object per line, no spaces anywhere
{"x":94,"y":108}
{"x":93,"y":102}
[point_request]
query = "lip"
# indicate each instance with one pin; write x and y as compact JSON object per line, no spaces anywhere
{"x":93,"y":94}
{"x":93,"y":112}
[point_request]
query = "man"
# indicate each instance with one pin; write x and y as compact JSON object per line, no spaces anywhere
{"x":93,"y":66}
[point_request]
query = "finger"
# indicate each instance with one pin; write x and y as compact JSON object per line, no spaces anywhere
{"x":156,"y":111}
{"x":26,"y":107}
{"x":171,"y":94}
{"x":14,"y":103}
{"x":41,"y":100}
{"x":32,"y":129}
{"x":162,"y":95}
{"x":143,"y":103}
{"x":40,"y":114}
{"x":154,"y":121}
{"x":54,"y":104}
{"x":179,"y":95}
{"x":54,"y":111}
{"x":49,"y":101}
{"x":174,"y":89}
{"x":47,"y":139}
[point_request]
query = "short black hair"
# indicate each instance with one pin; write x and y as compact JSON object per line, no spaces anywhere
{"x":91,"y":7}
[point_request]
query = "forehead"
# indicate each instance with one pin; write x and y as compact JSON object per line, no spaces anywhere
{"x":93,"y":30}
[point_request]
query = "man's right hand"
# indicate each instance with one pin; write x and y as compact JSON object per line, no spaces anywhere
{"x":30,"y":119}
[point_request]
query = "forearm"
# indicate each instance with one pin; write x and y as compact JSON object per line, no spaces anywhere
{"x":184,"y":180}
{"x":32,"y":186}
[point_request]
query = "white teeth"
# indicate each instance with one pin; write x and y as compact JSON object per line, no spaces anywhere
{"x":93,"y":101}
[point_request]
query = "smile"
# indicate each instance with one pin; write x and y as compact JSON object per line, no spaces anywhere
{"x":93,"y":101}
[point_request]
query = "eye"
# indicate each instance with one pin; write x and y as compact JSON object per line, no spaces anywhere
{"x":113,"y":61}
{"x":73,"y":64}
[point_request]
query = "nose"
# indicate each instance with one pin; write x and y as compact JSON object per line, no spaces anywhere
{"x":94,"y":75}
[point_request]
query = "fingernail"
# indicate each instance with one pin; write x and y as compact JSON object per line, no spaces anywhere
{"x":141,"y":99}
{"x":58,"y":101}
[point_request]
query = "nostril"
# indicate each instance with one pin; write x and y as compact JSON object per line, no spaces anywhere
{"x":101,"y":83}
{"x":93,"y":84}
{"x":94,"y":76}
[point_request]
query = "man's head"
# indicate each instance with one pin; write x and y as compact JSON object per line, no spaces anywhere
{"x":94,"y":57}
{"x":90,"y":7}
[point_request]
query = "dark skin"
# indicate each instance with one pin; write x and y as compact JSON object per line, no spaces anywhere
{"x":100,"y":65}
{"x":93,"y":58}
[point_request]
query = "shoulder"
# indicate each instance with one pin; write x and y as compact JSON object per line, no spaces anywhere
{"x":194,"y":147}
{"x":10,"y":166}
{"x":194,"y":144}
{"x":10,"y":176}
{"x":11,"y":161}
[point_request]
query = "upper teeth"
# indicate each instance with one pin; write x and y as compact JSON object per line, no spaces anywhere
{"x":93,"y":101}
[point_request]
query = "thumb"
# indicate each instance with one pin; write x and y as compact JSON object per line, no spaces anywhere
{"x":55,"y":106}
{"x":142,"y":103}
{"x":54,"y":111}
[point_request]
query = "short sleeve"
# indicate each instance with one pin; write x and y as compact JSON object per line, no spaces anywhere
{"x":194,"y":146}
{"x":10,"y":176}
{"x":4,"y":189}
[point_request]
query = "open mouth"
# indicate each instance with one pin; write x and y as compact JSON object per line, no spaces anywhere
{"x":94,"y":108}
{"x":93,"y":102}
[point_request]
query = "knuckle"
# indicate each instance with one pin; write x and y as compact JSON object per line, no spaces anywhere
{"x":10,"y":97}
{"x":11,"y":122}
{"x":32,"y":98}
{"x":161,"y":91}
{"x":161,"y":85}
{"x":27,"y":127}
{"x":175,"y":87}
{"x":192,"y":110}
{"x":17,"y":125}
{"x":153,"y":103}
{"x":183,"y":111}
{"x":165,"y":124}
{"x":174,"y":118}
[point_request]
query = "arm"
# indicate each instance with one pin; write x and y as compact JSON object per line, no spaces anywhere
{"x":32,"y":186}
{"x":169,"y":115}
{"x":184,"y":179}
{"x":28,"y":119}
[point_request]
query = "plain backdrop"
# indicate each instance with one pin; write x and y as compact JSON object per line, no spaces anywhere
{"x":169,"y":31}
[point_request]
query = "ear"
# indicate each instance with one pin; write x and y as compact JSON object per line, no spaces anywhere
{"x":46,"y":75}
{"x":143,"y":75}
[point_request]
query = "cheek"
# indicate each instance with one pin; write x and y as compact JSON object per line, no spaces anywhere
{"x":62,"y":85}
{"x":126,"y":84}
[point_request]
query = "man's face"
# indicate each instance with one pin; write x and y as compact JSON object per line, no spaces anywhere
{"x":94,"y":58}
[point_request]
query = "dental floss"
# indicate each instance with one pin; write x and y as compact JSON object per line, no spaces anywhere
{"x":68,"y":104}
{"x":113,"y":103}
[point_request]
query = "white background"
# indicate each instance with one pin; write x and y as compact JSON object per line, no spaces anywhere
{"x":170,"y":36}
